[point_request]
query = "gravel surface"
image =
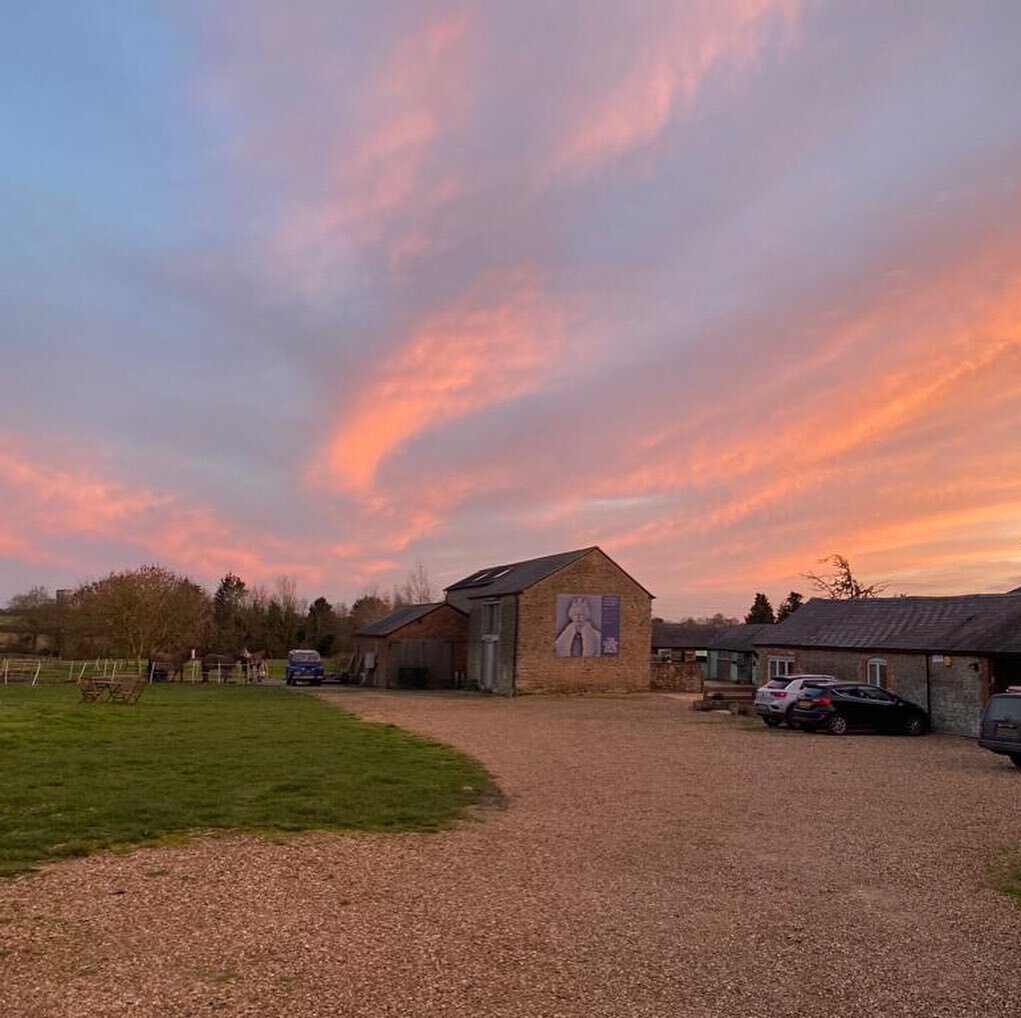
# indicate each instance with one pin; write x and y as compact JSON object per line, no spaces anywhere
{"x":649,"y":861}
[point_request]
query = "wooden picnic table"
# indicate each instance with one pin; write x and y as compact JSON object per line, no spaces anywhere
{"x":114,"y":688}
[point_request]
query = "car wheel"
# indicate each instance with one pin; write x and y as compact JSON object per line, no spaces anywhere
{"x":771,"y":722}
{"x":914,"y":726}
{"x":1015,"y":759}
{"x":837,"y":725}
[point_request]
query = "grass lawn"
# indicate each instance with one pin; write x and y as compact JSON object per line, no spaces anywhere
{"x":78,"y":777}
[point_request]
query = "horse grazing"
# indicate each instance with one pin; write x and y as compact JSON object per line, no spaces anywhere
{"x":165,"y":667}
{"x":221,"y":666}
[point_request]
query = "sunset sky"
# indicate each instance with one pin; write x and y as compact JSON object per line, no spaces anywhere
{"x":329,"y":289}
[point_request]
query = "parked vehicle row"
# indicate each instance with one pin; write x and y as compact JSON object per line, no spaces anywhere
{"x":775,"y":700}
{"x":822,"y":702}
{"x":813,"y":702}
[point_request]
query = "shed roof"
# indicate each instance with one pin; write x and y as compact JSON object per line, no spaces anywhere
{"x":970,"y":623}
{"x":683,"y":635}
{"x":514,"y":577}
{"x":740,"y":638}
{"x":401,"y":617}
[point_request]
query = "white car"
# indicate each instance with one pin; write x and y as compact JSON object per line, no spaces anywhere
{"x":774,"y":700}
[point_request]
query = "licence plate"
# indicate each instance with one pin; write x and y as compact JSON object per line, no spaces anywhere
{"x":804,"y":704}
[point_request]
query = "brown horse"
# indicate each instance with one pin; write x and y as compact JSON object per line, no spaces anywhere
{"x":220,"y":666}
{"x":165,"y":667}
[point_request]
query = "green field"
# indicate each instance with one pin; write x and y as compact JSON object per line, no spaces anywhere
{"x":80,"y":777}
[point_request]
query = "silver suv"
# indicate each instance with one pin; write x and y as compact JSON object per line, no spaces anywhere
{"x":774,"y":700}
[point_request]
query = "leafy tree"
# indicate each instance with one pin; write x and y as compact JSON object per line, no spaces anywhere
{"x":321,"y":626}
{"x":367,"y":608}
{"x":842,"y":583}
{"x":228,"y":613}
{"x":789,"y":605}
{"x":135,"y":612}
{"x":37,"y":614}
{"x":761,"y":610}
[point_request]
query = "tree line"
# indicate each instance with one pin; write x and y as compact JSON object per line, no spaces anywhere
{"x":136,"y":612}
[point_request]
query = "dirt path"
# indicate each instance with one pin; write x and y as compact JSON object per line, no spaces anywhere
{"x":650,"y":861}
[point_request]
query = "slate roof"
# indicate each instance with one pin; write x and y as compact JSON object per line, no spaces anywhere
{"x":682,"y":635}
{"x":399,"y":618}
{"x":968,"y":624}
{"x":515,"y":577}
{"x":740,"y":638}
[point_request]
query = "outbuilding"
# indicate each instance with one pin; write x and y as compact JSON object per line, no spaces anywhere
{"x":567,"y":622}
{"x":420,"y":646}
{"x":947,"y":654}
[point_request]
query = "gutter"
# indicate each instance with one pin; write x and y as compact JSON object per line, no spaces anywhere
{"x":928,"y":689}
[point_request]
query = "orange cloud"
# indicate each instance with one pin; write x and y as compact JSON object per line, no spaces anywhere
{"x":47,"y":501}
{"x":474,"y":355}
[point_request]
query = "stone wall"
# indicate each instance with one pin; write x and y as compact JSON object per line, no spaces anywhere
{"x":682,"y":676}
{"x":954,"y":690}
{"x":537,"y":666}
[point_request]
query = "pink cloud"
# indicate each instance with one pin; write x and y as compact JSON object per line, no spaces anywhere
{"x":631,"y":108}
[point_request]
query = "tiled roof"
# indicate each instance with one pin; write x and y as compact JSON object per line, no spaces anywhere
{"x":970,"y":623}
{"x":515,"y":577}
{"x":398,"y":618}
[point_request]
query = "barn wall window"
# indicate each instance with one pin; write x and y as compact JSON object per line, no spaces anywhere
{"x":490,"y":618}
{"x":780,"y":666}
{"x":877,"y":671}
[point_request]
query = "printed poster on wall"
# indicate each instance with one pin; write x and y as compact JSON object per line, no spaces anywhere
{"x":588,"y":625}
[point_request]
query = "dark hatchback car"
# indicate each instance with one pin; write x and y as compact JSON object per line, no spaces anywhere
{"x":847,"y":706}
{"x":1000,"y":729}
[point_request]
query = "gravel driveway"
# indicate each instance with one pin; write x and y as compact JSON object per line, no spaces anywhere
{"x":650,"y":861}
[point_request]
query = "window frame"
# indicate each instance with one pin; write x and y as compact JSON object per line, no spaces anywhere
{"x":490,"y":620}
{"x":779,"y":667}
{"x":880,"y":667}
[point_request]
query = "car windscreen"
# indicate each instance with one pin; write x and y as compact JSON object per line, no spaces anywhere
{"x":1005,"y":707}
{"x":304,"y":655}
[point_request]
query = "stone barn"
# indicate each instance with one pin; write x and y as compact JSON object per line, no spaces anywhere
{"x":947,"y":654}
{"x":419,"y":646}
{"x":569,"y":622}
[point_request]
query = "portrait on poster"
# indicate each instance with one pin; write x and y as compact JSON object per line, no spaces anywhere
{"x":587,"y":625}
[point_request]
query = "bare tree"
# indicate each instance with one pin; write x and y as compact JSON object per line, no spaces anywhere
{"x":292,"y":609}
{"x":416,"y":589}
{"x":842,"y":583}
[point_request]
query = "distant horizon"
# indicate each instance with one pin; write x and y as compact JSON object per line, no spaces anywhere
{"x":323,"y":291}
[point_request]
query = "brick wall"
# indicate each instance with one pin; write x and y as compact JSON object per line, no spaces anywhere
{"x":538,"y":667}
